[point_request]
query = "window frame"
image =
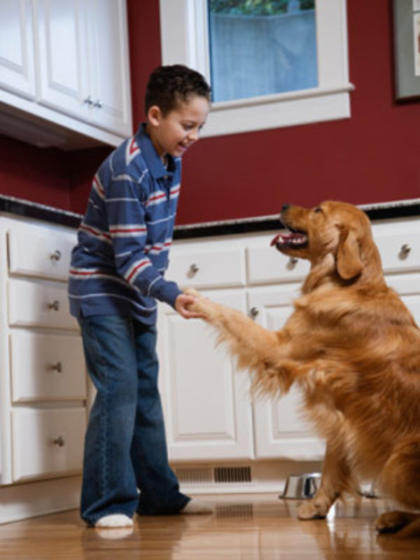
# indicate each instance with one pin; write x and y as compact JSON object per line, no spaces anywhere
{"x":184,"y":40}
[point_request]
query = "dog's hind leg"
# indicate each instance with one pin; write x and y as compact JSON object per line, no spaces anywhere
{"x":402,"y":524}
{"x":336,"y":477}
{"x":400,"y":477}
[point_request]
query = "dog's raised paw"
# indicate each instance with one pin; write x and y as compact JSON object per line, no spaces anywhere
{"x":202,"y":305}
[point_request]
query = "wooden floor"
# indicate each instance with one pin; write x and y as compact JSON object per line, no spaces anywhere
{"x":244,"y":527}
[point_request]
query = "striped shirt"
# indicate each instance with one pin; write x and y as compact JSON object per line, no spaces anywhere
{"x":118,"y":264}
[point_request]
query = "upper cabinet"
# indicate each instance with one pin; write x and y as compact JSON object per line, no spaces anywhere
{"x":17,"y":65}
{"x":70,"y":69}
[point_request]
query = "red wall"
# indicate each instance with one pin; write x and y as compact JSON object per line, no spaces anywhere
{"x":37,"y":175}
{"x":371,"y":157}
{"x":374,"y":156}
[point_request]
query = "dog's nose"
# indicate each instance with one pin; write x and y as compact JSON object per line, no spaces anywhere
{"x":285,"y":207}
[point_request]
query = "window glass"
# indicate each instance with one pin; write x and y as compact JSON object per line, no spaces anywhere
{"x":261,"y":47}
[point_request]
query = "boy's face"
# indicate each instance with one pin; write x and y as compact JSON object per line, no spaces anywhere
{"x":175,"y":132}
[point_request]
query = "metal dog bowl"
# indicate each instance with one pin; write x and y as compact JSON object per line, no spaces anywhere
{"x":301,"y":486}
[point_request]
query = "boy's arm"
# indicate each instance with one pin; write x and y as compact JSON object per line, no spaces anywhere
{"x":127,"y":227}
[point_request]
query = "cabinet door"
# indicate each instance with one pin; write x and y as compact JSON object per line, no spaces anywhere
{"x":36,"y":304}
{"x":280,"y":430}
{"x":407,"y":286}
{"x":207,"y":403}
{"x":46,"y":367}
{"x":16,"y":47}
{"x":40,"y":253}
{"x":63,"y":79}
{"x":47,"y":442}
{"x":109,"y":70}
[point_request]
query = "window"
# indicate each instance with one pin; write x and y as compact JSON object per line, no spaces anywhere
{"x":262,"y":46}
{"x":265,"y":92}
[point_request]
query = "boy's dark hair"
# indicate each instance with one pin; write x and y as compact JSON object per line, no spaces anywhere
{"x":168,"y":85}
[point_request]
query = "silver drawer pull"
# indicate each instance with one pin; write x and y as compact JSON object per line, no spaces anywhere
{"x":98,"y":103}
{"x":56,"y":256}
{"x":192,"y":271}
{"x":54,"y":305}
{"x":88,"y":100}
{"x":58,"y":367}
{"x":254,"y":312}
{"x":291,"y":263}
{"x":404,"y":251}
{"x":59,"y":441}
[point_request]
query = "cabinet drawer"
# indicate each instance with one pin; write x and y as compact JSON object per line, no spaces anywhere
{"x":45,"y":367}
{"x":39,"y":305}
{"x":47,"y":442}
{"x":40,"y":254}
{"x":400,"y":251}
{"x":266,"y":265}
{"x":223,"y":268}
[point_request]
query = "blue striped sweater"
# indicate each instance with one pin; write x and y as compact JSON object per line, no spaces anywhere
{"x":118,"y":264}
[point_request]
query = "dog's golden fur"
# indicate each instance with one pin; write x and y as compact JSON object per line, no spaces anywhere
{"x":354,"y":349}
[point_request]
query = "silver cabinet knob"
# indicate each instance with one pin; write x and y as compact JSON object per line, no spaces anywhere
{"x":56,"y":256}
{"x":291,"y":263}
{"x":54,"y":305}
{"x":192,"y":271}
{"x":59,"y":441}
{"x":254,"y":312}
{"x":88,"y":101}
{"x":404,"y":251}
{"x":58,"y":367}
{"x":98,"y":103}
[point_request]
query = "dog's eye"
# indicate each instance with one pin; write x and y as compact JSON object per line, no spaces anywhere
{"x":318,"y":209}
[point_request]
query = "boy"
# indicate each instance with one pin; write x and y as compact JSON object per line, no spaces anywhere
{"x":117,"y":273}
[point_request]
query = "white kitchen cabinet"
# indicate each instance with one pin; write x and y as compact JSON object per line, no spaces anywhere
{"x":17,"y":64}
{"x":63,"y":56}
{"x":109,"y":66}
{"x":280,"y":429}
{"x":57,"y":371}
{"x":47,"y":442}
{"x":43,"y":385}
{"x":68,"y":75}
{"x":206,"y":401}
{"x":244,"y":272}
{"x":83,"y":61}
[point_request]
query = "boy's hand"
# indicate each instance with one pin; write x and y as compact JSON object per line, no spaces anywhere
{"x":182,"y":302}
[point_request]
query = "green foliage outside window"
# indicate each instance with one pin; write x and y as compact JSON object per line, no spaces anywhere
{"x":255,"y":7}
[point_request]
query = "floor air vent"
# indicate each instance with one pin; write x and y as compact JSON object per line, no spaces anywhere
{"x":195,"y":476}
{"x":201,"y":476}
{"x":232,"y":474}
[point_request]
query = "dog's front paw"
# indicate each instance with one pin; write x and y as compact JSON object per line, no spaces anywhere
{"x":201,"y":305}
{"x":312,"y":509}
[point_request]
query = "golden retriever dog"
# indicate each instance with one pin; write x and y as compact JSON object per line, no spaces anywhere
{"x":354,"y":349}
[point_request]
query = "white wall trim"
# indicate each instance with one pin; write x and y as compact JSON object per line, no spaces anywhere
{"x":185,"y":41}
{"x":21,"y":501}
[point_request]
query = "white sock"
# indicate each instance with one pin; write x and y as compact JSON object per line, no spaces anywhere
{"x":114,"y":520}
{"x":195,"y":506}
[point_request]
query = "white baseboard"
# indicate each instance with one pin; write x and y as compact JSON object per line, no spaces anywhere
{"x":21,"y":501}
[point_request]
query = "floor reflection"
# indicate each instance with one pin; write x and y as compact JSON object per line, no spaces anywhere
{"x":257,"y":528}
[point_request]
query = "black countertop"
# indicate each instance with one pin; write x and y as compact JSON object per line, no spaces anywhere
{"x":380,"y":211}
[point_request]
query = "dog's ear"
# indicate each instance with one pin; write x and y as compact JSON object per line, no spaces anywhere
{"x":349,"y":264}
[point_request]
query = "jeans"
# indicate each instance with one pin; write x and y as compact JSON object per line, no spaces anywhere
{"x":125,"y":460}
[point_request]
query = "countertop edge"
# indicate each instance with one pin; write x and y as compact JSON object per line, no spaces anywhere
{"x":378,"y":211}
